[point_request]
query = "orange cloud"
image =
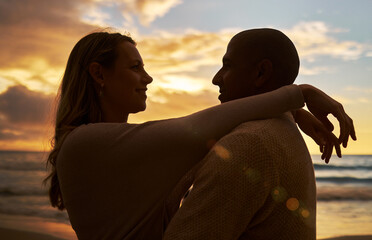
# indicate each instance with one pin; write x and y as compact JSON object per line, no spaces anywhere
{"x":166,"y":52}
{"x":47,"y":30}
{"x":175,"y":104}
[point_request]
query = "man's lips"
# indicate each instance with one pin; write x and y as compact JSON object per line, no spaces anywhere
{"x":221,"y":95}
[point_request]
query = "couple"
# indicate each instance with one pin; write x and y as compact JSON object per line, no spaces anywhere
{"x":124,"y":181}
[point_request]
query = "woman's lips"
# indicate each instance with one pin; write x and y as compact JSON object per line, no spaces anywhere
{"x":141,"y":91}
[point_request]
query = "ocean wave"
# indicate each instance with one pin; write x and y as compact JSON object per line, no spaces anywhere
{"x":23,"y":167}
{"x":344,"y":193}
{"x":24,"y":192}
{"x":333,"y":167}
{"x":31,"y":206}
{"x":341,"y":180}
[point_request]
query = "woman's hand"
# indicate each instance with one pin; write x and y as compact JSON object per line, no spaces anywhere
{"x":320,"y":105}
{"x":312,"y":127}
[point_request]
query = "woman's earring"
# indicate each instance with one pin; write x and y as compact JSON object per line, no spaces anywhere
{"x":100,"y":90}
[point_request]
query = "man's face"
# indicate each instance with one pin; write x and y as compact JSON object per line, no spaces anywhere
{"x":236,"y":77}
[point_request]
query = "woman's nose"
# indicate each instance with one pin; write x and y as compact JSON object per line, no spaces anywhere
{"x":148,"y":79}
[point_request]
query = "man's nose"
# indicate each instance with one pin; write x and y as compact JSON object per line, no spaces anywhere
{"x":217,"y":78}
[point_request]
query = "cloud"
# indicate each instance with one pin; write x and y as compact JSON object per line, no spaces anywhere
{"x":23,"y":113}
{"x":170,"y":104}
{"x":37,"y":38}
{"x":145,"y":10}
{"x":20,"y":105}
{"x":359,"y":90}
{"x":46,"y":29}
{"x":314,"y":39}
{"x":166,"y":52}
{"x":148,"y":10}
{"x":351,"y":101}
{"x":313,"y":71}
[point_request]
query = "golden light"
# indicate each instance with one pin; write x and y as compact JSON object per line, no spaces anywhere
{"x":182,"y":83}
{"x":279,"y":194}
{"x":305,"y":213}
{"x":292,"y":204}
{"x":222,"y":152}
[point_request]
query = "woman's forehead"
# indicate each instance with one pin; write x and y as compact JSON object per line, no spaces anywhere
{"x":128,"y":52}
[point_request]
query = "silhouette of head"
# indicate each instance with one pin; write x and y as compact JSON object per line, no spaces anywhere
{"x":79,"y":101}
{"x":256,"y":61}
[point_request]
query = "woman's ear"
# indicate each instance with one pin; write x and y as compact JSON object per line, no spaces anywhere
{"x":96,"y":71}
{"x":265,"y":70}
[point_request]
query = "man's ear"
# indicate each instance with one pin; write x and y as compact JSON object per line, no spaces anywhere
{"x":265,"y":70}
{"x":95,"y":70}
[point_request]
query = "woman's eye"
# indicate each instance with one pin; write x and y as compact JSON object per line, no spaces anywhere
{"x":137,"y":67}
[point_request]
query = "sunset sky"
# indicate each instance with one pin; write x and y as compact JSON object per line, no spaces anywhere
{"x":182,"y":43}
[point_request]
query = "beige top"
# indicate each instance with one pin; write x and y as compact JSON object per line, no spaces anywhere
{"x":256,"y":183}
{"x":115,"y":178}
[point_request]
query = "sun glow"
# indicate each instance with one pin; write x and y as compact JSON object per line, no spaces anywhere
{"x":182,"y":83}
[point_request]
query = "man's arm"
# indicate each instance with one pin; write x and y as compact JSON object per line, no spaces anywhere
{"x":229,"y":189}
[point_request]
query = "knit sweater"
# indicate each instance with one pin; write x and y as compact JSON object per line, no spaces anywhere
{"x":115,"y":177}
{"x":256,"y":183}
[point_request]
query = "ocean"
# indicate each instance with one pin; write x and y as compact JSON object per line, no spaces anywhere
{"x":344,"y":192}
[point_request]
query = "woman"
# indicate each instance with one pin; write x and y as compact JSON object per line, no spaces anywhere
{"x":113,"y":177}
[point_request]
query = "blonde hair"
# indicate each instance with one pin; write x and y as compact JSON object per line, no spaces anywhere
{"x":78,"y":98}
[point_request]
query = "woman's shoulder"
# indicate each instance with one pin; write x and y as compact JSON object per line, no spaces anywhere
{"x":93,"y":135}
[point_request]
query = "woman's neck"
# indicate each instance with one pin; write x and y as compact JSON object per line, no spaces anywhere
{"x":113,"y":116}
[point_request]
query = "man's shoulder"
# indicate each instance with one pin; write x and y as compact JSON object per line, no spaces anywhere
{"x":274,"y":133}
{"x":273,"y":126}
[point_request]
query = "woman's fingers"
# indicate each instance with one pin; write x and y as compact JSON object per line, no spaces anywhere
{"x":346,"y":126}
{"x":326,"y":123}
{"x":320,"y":105}
{"x":352,"y":133}
{"x":327,"y":148}
{"x":327,"y":153}
{"x":338,"y":150}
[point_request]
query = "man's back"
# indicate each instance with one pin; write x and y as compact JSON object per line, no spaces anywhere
{"x":290,"y":209}
{"x":256,"y":183}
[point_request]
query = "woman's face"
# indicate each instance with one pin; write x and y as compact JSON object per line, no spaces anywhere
{"x":125,"y":83}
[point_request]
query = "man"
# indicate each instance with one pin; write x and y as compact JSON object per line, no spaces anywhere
{"x":258,"y":181}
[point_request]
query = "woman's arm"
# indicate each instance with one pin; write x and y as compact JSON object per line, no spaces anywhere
{"x":215,"y":122}
{"x":312,"y":127}
{"x":320,"y":105}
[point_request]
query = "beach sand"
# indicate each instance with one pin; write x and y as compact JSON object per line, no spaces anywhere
{"x":11,"y":234}
{"x":362,"y":237}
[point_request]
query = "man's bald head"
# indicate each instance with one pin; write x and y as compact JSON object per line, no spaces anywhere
{"x":271,"y":44}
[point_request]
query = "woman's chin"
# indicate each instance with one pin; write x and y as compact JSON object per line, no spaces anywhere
{"x":139,"y":109}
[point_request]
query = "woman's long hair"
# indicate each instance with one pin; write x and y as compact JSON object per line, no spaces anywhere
{"x":78,"y":98}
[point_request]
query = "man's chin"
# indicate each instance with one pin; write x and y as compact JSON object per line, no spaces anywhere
{"x":222,"y":98}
